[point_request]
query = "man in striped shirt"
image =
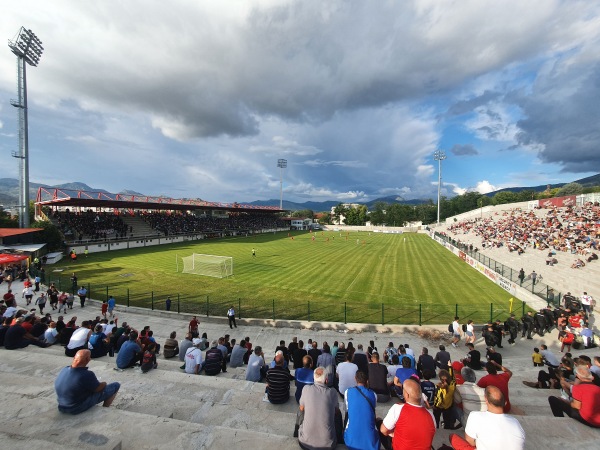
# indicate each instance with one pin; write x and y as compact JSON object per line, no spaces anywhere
{"x":278,"y":381}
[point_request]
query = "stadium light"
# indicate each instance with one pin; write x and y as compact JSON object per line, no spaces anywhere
{"x":439,"y":156}
{"x":28,"y":49}
{"x":282,"y":164}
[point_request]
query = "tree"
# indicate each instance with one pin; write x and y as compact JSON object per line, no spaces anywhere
{"x":338,"y":211}
{"x":570,"y":189}
{"x":377,"y":216}
{"x":324,"y":218}
{"x":50,"y":235}
{"x":7,"y":221}
{"x":504,"y":197}
{"x":306,"y":213}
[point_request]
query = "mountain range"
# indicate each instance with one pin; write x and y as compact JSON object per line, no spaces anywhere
{"x":9,"y":194}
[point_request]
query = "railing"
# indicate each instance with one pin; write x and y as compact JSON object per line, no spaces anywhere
{"x":278,"y":309}
{"x":539,"y":288}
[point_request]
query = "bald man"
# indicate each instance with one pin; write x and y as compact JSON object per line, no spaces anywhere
{"x":491,"y":429}
{"x":78,"y":389}
{"x":410,"y":424}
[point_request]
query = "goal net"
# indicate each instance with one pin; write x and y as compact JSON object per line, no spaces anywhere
{"x":208,"y":265}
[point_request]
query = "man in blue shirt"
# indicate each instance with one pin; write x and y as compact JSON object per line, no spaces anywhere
{"x":361,"y":431}
{"x":111,"y":305}
{"x":130,"y":352}
{"x":78,"y":389}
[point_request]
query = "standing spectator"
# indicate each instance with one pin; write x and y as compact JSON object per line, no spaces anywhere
{"x":361,"y":430}
{"x":409,"y":424}
{"x":193,"y":327}
{"x":521,"y":276}
{"x":470,"y":333}
{"x":586,"y":303}
{"x":444,"y":401}
{"x":111,"y":305}
{"x":28,"y":294}
{"x":73,"y":282}
{"x":499,"y":380}
{"x":492,"y":428}
{"x":168,"y":304}
{"x":318,"y":415}
{"x":533,"y":277}
{"x":231,"y":317}
{"x":104,"y":308}
{"x":512,"y":326}
{"x":456,"y":332}
{"x":527,"y":321}
{"x":78,"y":389}
{"x":41,"y":302}
{"x":82,"y":293}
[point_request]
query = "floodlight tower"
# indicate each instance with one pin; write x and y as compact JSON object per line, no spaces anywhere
{"x":439,"y":156}
{"x":28,"y":49}
{"x":282,"y":164}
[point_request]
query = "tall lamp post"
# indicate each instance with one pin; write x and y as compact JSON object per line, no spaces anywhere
{"x":28,"y":49}
{"x":439,"y":156}
{"x":282,"y":164}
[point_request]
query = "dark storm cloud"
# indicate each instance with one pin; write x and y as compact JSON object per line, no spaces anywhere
{"x":562,"y":118}
{"x":464,"y":150}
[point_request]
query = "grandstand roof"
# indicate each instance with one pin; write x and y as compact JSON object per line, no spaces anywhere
{"x":7,"y":232}
{"x":86,"y":199}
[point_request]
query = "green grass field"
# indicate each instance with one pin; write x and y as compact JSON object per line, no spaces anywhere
{"x":366,"y":277}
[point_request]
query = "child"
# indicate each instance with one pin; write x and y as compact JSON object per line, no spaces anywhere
{"x":104,"y":308}
{"x":538,"y":359}
{"x":428,"y":388}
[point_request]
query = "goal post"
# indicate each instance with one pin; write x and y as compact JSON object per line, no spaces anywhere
{"x":207,"y":265}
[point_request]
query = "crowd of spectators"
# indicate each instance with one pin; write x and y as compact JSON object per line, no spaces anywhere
{"x":90,"y":225}
{"x":182,"y":223}
{"x":574,"y":230}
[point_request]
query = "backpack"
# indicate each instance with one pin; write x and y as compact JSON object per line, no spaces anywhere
{"x":451,"y":328}
{"x":464,"y":327}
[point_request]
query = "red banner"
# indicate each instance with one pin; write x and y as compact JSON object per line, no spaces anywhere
{"x":570,"y":200}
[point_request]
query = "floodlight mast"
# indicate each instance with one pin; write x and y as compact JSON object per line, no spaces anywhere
{"x":439,"y":156}
{"x":282,"y":164}
{"x":28,"y":49}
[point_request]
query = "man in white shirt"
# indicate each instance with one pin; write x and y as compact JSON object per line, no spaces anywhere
{"x":456,"y":332}
{"x":193,"y":358}
{"x":491,"y":429}
{"x":586,"y":302}
{"x":346,"y":372}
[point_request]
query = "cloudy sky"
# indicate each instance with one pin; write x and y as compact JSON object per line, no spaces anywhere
{"x":199,"y":99}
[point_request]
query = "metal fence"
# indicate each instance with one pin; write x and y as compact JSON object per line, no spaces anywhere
{"x":420,"y":313}
{"x":537,"y":287}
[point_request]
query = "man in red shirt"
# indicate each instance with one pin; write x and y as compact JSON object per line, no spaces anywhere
{"x":410,"y":424}
{"x":585,"y":399}
{"x":193,"y":328}
{"x":500,"y":380}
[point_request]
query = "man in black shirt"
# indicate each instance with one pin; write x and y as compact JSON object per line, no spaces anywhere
{"x":298,"y":354}
{"x":378,"y":379}
{"x":473,"y":359}
{"x":17,"y":337}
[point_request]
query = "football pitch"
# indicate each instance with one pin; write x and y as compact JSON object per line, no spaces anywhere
{"x":334,"y":276}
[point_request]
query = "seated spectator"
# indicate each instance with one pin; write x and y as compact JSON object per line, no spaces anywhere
{"x":493,"y":355}
{"x":98,"y":343}
{"x":130,"y":353}
{"x":17,"y":337}
{"x":499,"y":380}
{"x":402,"y":374}
{"x":278,"y":382}
{"x":149,"y":358}
{"x":79,"y":339}
{"x":214,"y":359}
{"x":392,"y":368}
{"x":304,"y":376}
{"x":584,"y":405}
{"x":78,"y":389}
{"x":183,"y":347}
{"x":389,"y":352}
{"x":319,"y":419}
{"x":299,"y":355}
{"x":193,"y":357}
{"x":473,"y":359}
{"x":361,"y":430}
{"x":361,"y":360}
{"x":410,"y":425}
{"x":171,"y":347}
{"x":488,"y":429}
{"x":284,"y":350}
{"x":345,"y":373}
{"x":442,"y":358}
{"x":473,"y":396}
{"x":378,"y":379}
{"x":428,"y":388}
{"x":237,"y":354}
{"x":256,"y":370}
{"x":326,"y":360}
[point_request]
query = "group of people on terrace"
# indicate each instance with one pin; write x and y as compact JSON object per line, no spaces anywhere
{"x":90,"y":224}
{"x":574,"y":230}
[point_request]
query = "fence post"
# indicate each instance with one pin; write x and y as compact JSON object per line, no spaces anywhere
{"x":456,"y":310}
{"x":59,"y":284}
{"x":152,"y":299}
{"x":382,"y":315}
{"x":239,"y":307}
{"x":491,"y":312}
{"x":345,"y":314}
{"x":89,"y":291}
{"x":128,"y":297}
{"x":207,"y":305}
{"x":273,"y":309}
{"x":309,"y":311}
{"x":420,"y":313}
{"x":178,"y":306}
{"x":523,"y":308}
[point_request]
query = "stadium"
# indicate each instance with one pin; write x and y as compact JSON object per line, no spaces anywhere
{"x":348,"y":317}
